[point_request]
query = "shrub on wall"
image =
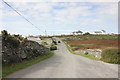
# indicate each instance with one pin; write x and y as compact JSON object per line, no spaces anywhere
{"x":53,"y":47}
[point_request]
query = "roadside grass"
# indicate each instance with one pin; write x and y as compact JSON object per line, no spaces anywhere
{"x":84,"y":55}
{"x":8,"y":69}
{"x":111,"y":55}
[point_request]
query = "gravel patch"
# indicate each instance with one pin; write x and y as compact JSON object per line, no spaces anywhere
{"x":95,"y":52}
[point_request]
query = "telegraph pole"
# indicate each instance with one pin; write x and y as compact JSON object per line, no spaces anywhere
{"x":45,"y":33}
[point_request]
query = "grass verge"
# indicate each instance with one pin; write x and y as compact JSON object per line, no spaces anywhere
{"x":88,"y":55}
{"x":111,"y":56}
{"x":6,"y":69}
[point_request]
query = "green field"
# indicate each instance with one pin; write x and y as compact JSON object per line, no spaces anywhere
{"x":92,"y":37}
{"x":107,"y":43}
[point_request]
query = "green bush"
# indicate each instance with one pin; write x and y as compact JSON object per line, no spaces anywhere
{"x":23,"y":40}
{"x":9,"y":39}
{"x":86,"y":53}
{"x":53,"y":47}
{"x":44,"y":43}
{"x":4,"y":34}
{"x":111,"y":56}
{"x":87,"y":33}
{"x":54,"y":42}
{"x":14,"y":42}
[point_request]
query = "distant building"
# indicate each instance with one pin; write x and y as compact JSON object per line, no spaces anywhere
{"x":100,"y":32}
{"x":77,"y":32}
{"x":103,"y":31}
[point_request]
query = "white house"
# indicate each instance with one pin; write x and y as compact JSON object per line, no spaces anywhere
{"x":77,"y":32}
{"x":100,"y":32}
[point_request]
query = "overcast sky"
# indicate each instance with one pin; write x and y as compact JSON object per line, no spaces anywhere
{"x":60,"y":17}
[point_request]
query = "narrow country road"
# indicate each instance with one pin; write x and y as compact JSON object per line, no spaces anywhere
{"x":67,"y":65}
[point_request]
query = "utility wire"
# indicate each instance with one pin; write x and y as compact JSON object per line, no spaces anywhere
{"x":22,"y":16}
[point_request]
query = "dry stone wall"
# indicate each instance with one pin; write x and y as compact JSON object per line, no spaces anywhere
{"x":25,"y":51}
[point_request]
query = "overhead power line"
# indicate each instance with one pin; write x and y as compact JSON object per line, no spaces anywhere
{"x":22,"y":16}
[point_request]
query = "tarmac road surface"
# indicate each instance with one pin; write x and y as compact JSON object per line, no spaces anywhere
{"x":67,"y":65}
